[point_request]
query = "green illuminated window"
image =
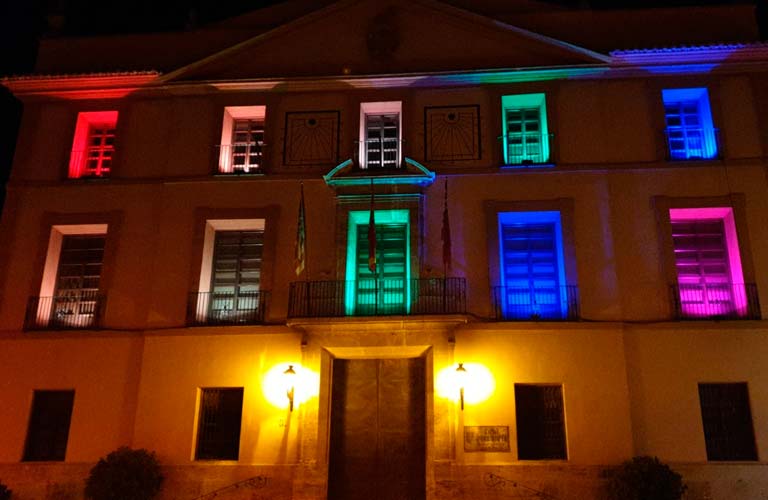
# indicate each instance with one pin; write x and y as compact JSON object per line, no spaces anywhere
{"x":387,"y":291}
{"x":526,"y":136}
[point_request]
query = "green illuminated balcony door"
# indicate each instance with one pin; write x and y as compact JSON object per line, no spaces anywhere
{"x":236,"y":275}
{"x":524,"y":140}
{"x":386,"y":292}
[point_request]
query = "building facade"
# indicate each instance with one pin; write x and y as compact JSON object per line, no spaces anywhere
{"x":390,"y":250}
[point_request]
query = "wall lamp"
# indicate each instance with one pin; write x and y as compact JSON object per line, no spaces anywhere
{"x":461,"y":379}
{"x":290,"y":385}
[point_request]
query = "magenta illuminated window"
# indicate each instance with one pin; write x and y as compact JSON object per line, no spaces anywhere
{"x":93,"y":147}
{"x":710,"y":282}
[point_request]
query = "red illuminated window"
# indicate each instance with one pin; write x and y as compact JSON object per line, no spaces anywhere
{"x":94,"y":144}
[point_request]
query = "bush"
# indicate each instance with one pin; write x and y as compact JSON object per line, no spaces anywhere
{"x":125,"y":474}
{"x":5,"y":493}
{"x":646,"y":478}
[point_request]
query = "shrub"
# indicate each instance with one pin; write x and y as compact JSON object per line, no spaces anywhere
{"x":5,"y":493}
{"x":125,"y":474}
{"x":646,"y":478}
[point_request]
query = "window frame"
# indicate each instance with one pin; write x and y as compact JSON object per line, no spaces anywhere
{"x":199,"y":424}
{"x":379,"y":108}
{"x":86,"y":122}
{"x":679,"y":97}
{"x":232,"y":114}
{"x":753,"y":453}
{"x":65,"y":427}
{"x":536,"y":101}
{"x":518,"y":413}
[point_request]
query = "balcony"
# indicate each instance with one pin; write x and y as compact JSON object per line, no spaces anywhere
{"x":713,"y":301}
{"x":73,"y":311}
{"x":381,"y":154}
{"x":527,"y":149}
{"x":377,"y":297}
{"x":536,"y":304}
{"x":240,"y":158}
{"x":692,"y":143}
{"x":226,"y":308}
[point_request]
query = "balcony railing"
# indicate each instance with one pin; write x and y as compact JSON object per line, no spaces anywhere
{"x":240,"y":158}
{"x":527,"y":148}
{"x":715,"y":301}
{"x":692,"y":143}
{"x":377,"y":297}
{"x":73,"y":311}
{"x":226,"y":308}
{"x":559,"y":303}
{"x":380,"y":153}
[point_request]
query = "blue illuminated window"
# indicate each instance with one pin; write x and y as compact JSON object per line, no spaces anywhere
{"x":690,"y":133}
{"x":533,"y":282}
{"x":526,"y":136}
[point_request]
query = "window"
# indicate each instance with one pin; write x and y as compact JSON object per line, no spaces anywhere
{"x":387,"y":291}
{"x":708,"y":263}
{"x":94,"y":144}
{"x":540,"y":422}
{"x":218,"y":428}
{"x":70,"y":292}
{"x":242,"y":140}
{"x":380,"y":135}
{"x":689,"y":129}
{"x":727,"y":421}
{"x":49,"y":426}
{"x":230,"y":278}
{"x":526,"y":136}
{"x":533,"y":284}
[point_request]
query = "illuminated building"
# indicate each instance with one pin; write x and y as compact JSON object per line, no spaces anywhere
{"x":601,"y":289}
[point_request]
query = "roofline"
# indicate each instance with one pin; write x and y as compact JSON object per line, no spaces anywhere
{"x":327,"y":10}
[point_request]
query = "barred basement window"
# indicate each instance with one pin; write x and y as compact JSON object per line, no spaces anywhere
{"x":727,"y":420}
{"x":540,"y":422}
{"x":49,"y":426}
{"x":218,"y":429}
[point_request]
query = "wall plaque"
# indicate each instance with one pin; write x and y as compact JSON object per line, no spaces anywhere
{"x":486,"y":438}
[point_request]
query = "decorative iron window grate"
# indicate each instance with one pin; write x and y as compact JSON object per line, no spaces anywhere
{"x":218,"y":430}
{"x":540,"y":422}
{"x":727,"y":420}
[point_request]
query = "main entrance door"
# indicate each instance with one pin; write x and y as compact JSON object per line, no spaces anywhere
{"x":378,"y":443}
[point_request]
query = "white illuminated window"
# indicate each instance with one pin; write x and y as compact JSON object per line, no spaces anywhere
{"x":242,"y":140}
{"x":380,"y":135}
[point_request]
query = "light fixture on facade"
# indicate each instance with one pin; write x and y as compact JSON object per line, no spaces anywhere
{"x":290,"y":385}
{"x":461,"y":376}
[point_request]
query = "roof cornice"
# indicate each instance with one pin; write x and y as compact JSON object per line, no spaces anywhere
{"x":730,"y":52}
{"x":81,"y":86}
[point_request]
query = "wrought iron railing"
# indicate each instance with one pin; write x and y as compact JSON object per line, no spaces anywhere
{"x":556,"y":303}
{"x":226,"y":308}
{"x":527,"y":148}
{"x":240,"y":158}
{"x":380,"y":153}
{"x":72,"y":311}
{"x":692,"y":143}
{"x":715,"y":301}
{"x":377,"y":297}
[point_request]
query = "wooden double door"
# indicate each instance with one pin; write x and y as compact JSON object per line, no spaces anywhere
{"x":378,"y":427}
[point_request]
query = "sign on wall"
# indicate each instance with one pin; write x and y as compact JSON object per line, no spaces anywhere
{"x":486,"y":438}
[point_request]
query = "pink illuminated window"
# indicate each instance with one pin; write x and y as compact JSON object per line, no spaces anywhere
{"x":94,"y":144}
{"x":242,"y":139}
{"x":708,"y":263}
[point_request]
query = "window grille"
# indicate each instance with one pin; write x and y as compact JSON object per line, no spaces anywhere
{"x":727,"y":421}
{"x":218,"y":433}
{"x":382,"y":140}
{"x":540,"y":422}
{"x":49,"y":426}
{"x":101,"y":148}
{"x":247,"y":142}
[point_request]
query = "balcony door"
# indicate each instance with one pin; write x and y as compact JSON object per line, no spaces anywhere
{"x":386,"y":291}
{"x":378,"y":428}
{"x":75,"y":300}
{"x":236,"y":276}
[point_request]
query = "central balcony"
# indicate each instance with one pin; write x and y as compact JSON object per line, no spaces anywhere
{"x":377,"y":297}
{"x":540,"y":303}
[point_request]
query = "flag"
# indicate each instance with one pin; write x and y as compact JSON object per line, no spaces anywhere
{"x":446,"y":234}
{"x":372,"y":237}
{"x":301,"y":237}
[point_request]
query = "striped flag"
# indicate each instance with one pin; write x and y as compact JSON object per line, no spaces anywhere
{"x":372,"y":236}
{"x":446,"y":234}
{"x":300,"y":255}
